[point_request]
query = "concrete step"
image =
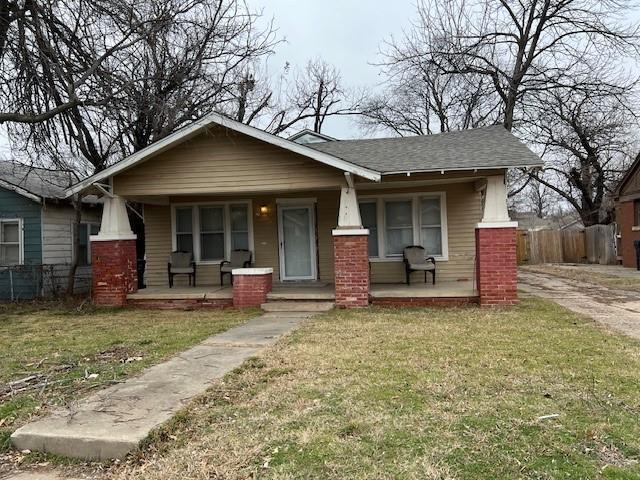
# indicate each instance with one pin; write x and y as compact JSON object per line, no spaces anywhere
{"x":297,"y":306}
{"x":301,"y":294}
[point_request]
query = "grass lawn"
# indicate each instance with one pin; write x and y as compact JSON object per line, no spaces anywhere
{"x":589,"y":275}
{"x":425,"y":393}
{"x":63,"y":352}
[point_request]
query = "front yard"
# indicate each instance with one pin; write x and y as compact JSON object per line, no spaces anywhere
{"x":52,"y":354}
{"x":610,"y":276}
{"x":529,"y":392}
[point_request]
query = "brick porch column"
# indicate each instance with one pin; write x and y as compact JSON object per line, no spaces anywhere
{"x":113,"y":256}
{"x":496,"y":265}
{"x":251,"y":285}
{"x":351,"y":267}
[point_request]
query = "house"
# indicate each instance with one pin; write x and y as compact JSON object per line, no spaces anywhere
{"x":36,"y":226}
{"x":336,"y":213}
{"x":627,"y":198}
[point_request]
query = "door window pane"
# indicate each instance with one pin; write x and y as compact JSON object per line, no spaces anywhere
{"x":297,"y":243}
{"x":239,"y":227}
{"x":399,"y":226}
{"x":212,"y":233}
{"x":369,"y":217}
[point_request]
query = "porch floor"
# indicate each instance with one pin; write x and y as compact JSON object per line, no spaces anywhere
{"x":310,"y":291}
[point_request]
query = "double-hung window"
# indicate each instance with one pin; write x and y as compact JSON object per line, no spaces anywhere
{"x":85,"y":230}
{"x":398,"y":215}
{"x":212,"y":231}
{"x":398,"y":221}
{"x":11,"y":241}
{"x":184,"y":229}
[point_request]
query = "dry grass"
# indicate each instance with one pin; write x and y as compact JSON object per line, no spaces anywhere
{"x":587,"y":275}
{"x":64,"y":351}
{"x":429,"y":393}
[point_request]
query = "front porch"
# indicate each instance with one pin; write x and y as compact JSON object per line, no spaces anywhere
{"x":216,"y":296}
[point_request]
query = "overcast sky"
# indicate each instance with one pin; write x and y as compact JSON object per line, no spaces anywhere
{"x":345,"y":33}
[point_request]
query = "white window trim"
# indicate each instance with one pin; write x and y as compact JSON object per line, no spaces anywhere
{"x":415,"y":199}
{"x":195,"y":212}
{"x":20,"y":239}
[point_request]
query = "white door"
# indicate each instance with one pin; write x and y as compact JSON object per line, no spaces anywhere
{"x":296,"y":228}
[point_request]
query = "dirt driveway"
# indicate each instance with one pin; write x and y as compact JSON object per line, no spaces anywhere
{"x":614,"y":308}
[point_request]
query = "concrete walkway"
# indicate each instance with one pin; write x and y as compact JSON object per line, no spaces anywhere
{"x":112,"y":422}
{"x":616,"y":309}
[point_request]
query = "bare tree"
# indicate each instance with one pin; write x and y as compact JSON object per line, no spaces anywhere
{"x":588,"y":139}
{"x":184,"y":67}
{"x":520,"y":47}
{"x":315,"y":94}
{"x":53,"y":53}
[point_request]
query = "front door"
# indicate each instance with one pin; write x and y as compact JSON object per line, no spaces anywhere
{"x":296,"y":228}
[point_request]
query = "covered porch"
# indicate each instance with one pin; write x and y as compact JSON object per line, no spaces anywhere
{"x":303,"y":215}
{"x":390,"y":294}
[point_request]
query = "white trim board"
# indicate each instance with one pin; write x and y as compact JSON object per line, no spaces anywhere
{"x":216,"y":119}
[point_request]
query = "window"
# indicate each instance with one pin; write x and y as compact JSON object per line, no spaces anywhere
{"x":85,"y":231}
{"x":369,"y":216}
{"x":212,"y":231}
{"x":11,"y":242}
{"x":398,"y":216}
{"x":184,"y":229}
{"x":431,"y":226}
{"x":636,"y":213}
{"x":398,"y":221}
{"x":239,"y":227}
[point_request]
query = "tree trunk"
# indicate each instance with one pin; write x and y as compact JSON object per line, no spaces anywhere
{"x":71,"y":279}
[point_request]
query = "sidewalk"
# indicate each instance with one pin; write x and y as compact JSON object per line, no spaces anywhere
{"x":112,"y":422}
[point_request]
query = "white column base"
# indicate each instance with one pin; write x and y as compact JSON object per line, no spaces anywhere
{"x":509,"y":224}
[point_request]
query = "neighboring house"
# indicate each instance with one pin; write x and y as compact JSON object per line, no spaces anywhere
{"x":303,"y":210}
{"x":36,"y":225}
{"x":627,"y":199}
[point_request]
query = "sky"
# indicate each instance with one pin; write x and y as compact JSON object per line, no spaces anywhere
{"x":345,"y":33}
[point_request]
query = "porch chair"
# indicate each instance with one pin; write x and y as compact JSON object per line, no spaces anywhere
{"x":239,"y":259}
{"x":415,"y":261}
{"x":181,"y":263}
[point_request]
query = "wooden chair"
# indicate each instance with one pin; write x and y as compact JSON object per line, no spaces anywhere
{"x":181,"y":263}
{"x":415,"y":261}
{"x":239,"y":259}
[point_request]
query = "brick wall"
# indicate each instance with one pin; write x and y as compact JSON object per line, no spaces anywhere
{"x":626,"y":220}
{"x":496,"y":266}
{"x":351,"y":270}
{"x":114,"y":271}
{"x":251,"y":290}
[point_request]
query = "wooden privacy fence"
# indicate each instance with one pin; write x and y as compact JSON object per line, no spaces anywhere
{"x":594,"y":244}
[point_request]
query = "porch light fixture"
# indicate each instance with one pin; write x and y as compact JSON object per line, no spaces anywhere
{"x":263,"y":211}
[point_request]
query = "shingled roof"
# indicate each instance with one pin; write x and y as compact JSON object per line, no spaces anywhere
{"x":481,"y":148}
{"x":34,"y":182}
